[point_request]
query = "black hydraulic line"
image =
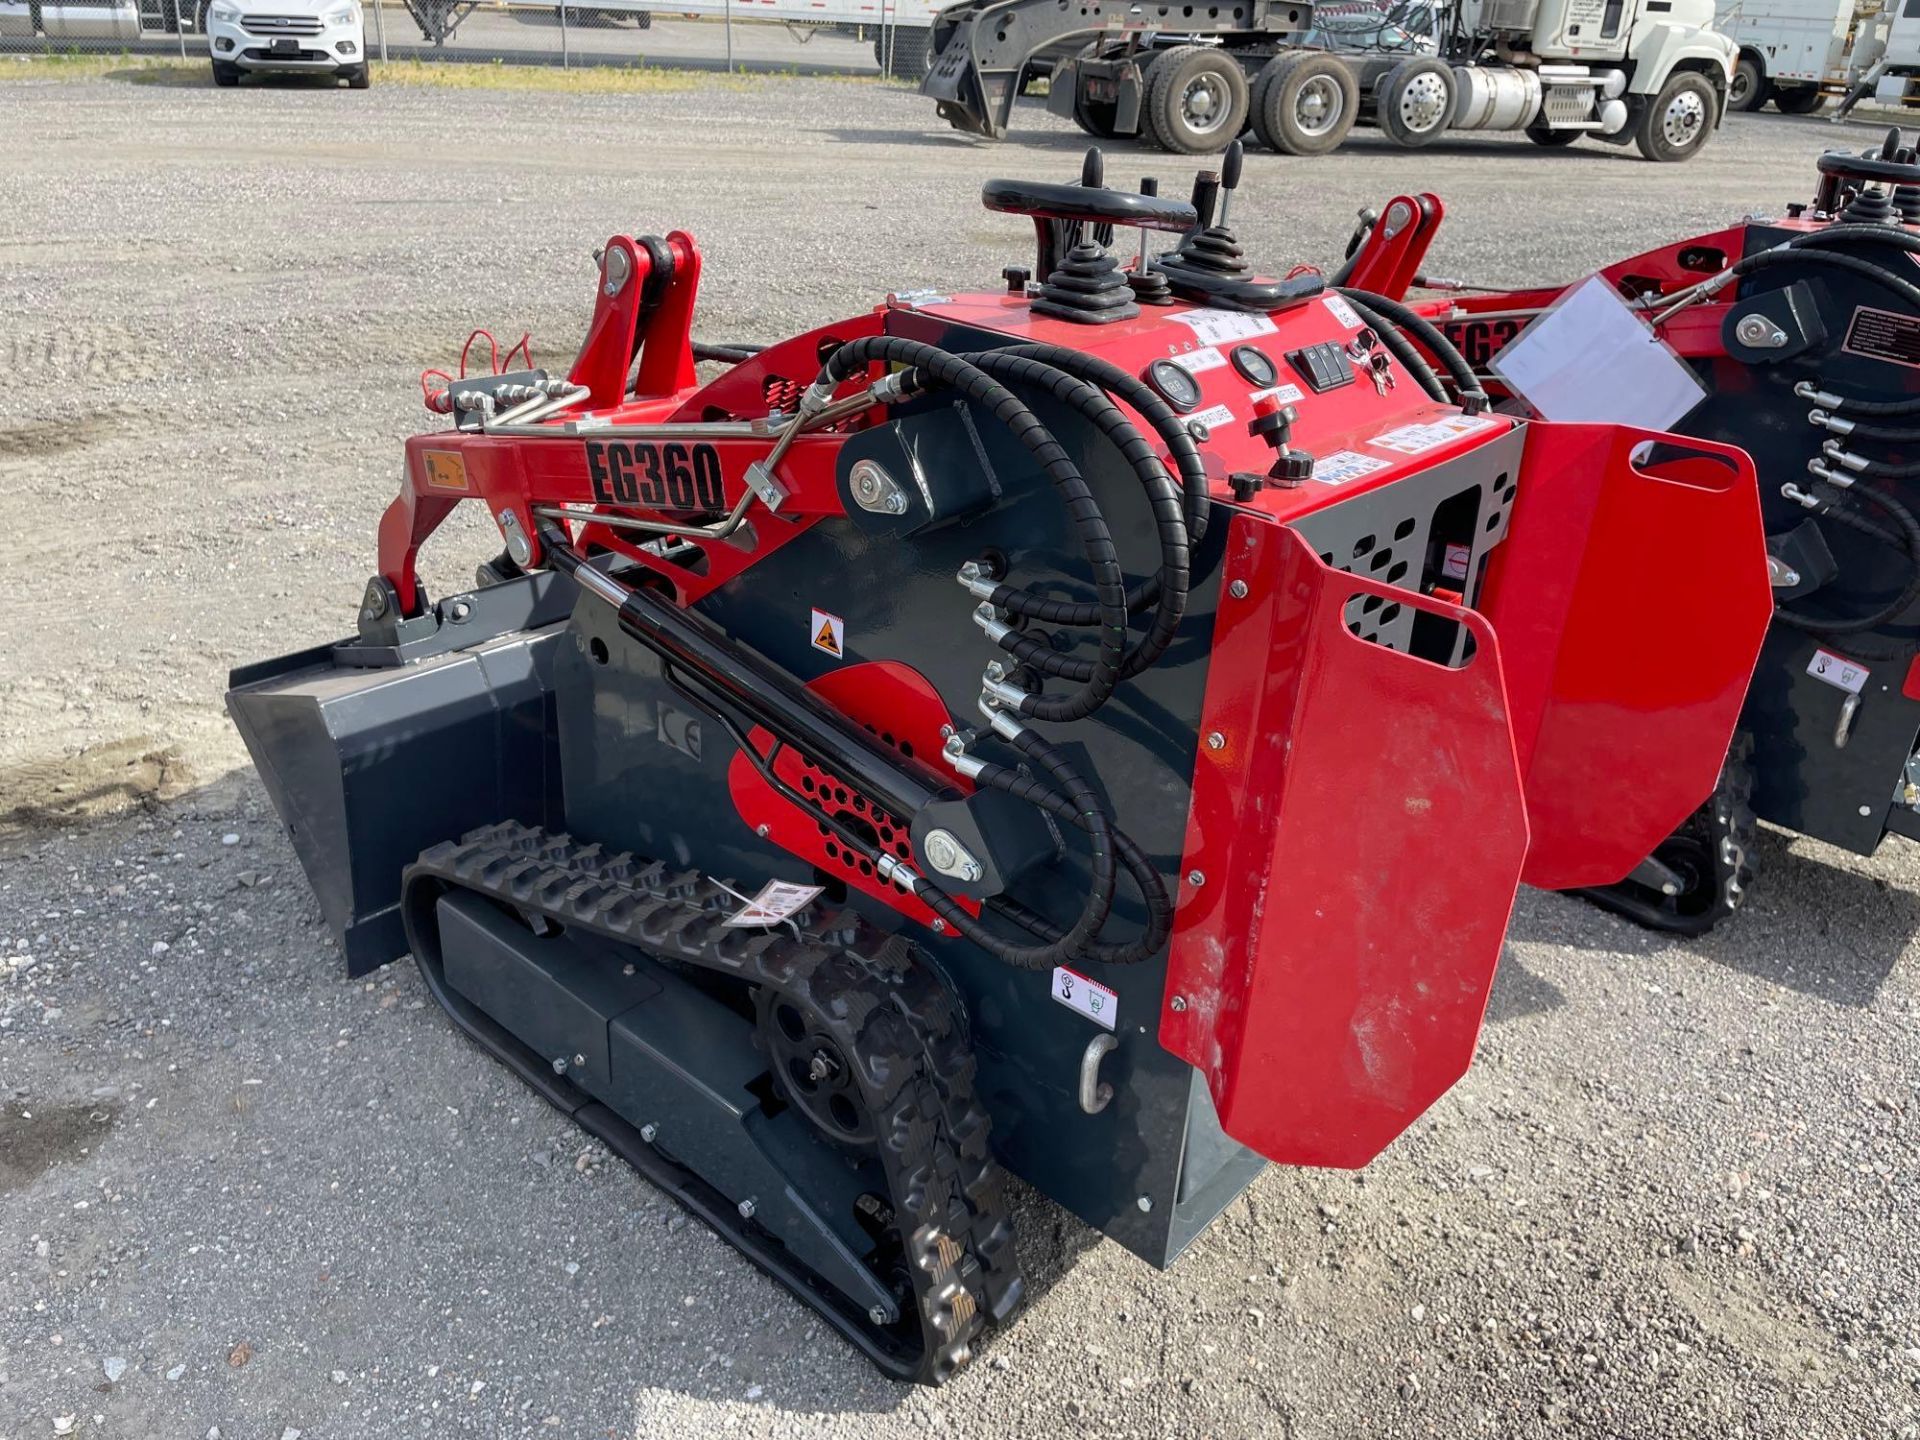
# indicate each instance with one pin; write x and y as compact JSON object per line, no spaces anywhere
{"x":1885,"y":434}
{"x":1883,"y":469}
{"x":1403,"y":349}
{"x":1847,"y":234}
{"x":1145,"y":401}
{"x":945,"y":368}
{"x":1090,"y":814}
{"x":1138,"y":866}
{"x":1428,"y":334}
{"x":729,"y":354}
{"x":1838,"y":507}
{"x":1796,"y":254}
{"x":1162,"y":495}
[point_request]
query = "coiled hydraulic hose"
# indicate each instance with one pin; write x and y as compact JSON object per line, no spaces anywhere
{"x":1836,"y":506}
{"x":1089,"y":813}
{"x":1466,"y":383}
{"x":944,"y":368}
{"x":1175,"y":567}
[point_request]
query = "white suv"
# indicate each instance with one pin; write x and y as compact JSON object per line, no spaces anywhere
{"x":319,"y":37}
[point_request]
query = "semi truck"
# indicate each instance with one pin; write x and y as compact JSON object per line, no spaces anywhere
{"x":1797,"y":54}
{"x":1651,"y":73}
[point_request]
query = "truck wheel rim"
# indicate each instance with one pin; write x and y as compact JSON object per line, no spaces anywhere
{"x":1423,"y":103}
{"x":1203,"y":104}
{"x":1742,"y":86}
{"x":1318,"y":106}
{"x":1683,"y":119}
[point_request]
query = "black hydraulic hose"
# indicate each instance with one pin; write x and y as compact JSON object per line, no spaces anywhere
{"x":1884,"y":469}
{"x":1847,"y":234}
{"x":1838,"y":509}
{"x":1428,"y":334}
{"x":729,"y":354}
{"x":1145,"y":402}
{"x":1886,"y":434}
{"x":945,"y":368}
{"x":1145,"y":878}
{"x":1797,"y":254}
{"x":1162,"y":495}
{"x":1090,"y":814}
{"x":1403,"y":349}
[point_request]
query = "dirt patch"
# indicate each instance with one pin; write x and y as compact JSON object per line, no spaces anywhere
{"x":133,"y":774}
{"x":34,"y":1138}
{"x":40,"y":439}
{"x":1760,"y":1327}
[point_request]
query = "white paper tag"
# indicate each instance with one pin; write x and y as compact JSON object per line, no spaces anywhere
{"x":1196,"y":362}
{"x":1285,"y":394}
{"x":1454,"y":566}
{"x":777,"y":901}
{"x":1590,"y":357}
{"x":1089,"y":997}
{"x":1344,"y":465}
{"x":1215,"y":326}
{"x":1338,"y":308}
{"x":1837,"y":671}
{"x":1213,"y":417}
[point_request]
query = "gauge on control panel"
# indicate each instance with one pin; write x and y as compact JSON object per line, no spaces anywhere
{"x":1256,"y":367}
{"x":1179,"y":388}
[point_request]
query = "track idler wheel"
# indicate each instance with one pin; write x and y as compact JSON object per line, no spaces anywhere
{"x":1700,"y":874}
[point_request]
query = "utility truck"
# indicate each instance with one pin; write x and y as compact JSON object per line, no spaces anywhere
{"x":1653,"y":73}
{"x":1798,"y":53}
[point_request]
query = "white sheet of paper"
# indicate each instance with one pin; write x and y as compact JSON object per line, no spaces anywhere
{"x":1590,"y":357}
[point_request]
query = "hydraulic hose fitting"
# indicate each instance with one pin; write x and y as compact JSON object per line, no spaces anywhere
{"x":988,"y":619}
{"x":1807,"y":390}
{"x":1832,"y":477}
{"x":816,"y":398}
{"x":978,"y":584}
{"x":1006,"y":726}
{"x":1805,"y":501}
{"x":1844,"y":457}
{"x":954,"y":752}
{"x":1826,"y":420}
{"x":994,"y":686}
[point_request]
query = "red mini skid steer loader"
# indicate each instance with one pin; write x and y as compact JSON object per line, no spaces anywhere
{"x":1802,"y":333}
{"x":1094,"y":727}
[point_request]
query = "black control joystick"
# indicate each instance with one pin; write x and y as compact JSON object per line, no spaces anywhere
{"x":1210,"y":267}
{"x":1088,"y":283}
{"x":1149,"y":285}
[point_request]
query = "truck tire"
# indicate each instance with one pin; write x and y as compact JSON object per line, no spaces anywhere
{"x":1750,"y":87}
{"x":1416,"y":102}
{"x":1096,"y":117}
{"x":224,"y":75}
{"x":1798,"y":99}
{"x":1552,"y":139}
{"x":359,"y":78}
{"x":1304,"y":104}
{"x":1677,"y":121}
{"x":1196,"y":100}
{"x":912,"y":53}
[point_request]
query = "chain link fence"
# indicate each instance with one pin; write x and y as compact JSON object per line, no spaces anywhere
{"x":711,"y":34}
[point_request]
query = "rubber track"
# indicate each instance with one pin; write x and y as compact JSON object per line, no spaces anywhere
{"x":892,"y":1017}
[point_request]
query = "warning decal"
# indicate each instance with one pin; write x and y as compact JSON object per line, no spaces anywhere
{"x":1884,"y":335}
{"x":1837,"y":671}
{"x":1089,"y":997}
{"x":1198,"y":362}
{"x":1338,"y":308}
{"x":829,"y":633}
{"x":1345,"y":465}
{"x":446,"y":469}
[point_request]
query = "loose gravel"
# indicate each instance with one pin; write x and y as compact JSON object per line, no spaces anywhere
{"x":242,"y":1197}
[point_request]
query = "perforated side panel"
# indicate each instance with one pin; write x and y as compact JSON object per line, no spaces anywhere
{"x":1397,"y":534}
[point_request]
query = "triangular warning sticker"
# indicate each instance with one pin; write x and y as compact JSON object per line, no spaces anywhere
{"x":829,"y":633}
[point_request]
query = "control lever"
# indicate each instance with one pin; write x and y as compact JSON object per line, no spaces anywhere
{"x":1230,"y":169}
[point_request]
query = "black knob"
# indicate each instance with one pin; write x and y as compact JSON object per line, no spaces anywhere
{"x":1246,"y":484}
{"x":1890,"y":147}
{"x":1230,"y":168}
{"x":1206,"y":193}
{"x":1292,"y":468}
{"x":1273,"y":424}
{"x":1093,"y":169}
{"x":1016,"y":277}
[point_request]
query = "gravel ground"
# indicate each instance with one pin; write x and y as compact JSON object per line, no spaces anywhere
{"x":238,"y":1195}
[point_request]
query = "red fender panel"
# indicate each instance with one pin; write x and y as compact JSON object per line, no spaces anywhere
{"x":1631,"y":599}
{"x":1357,"y":837}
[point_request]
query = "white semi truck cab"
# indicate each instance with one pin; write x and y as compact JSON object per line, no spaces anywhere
{"x":1653,"y":73}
